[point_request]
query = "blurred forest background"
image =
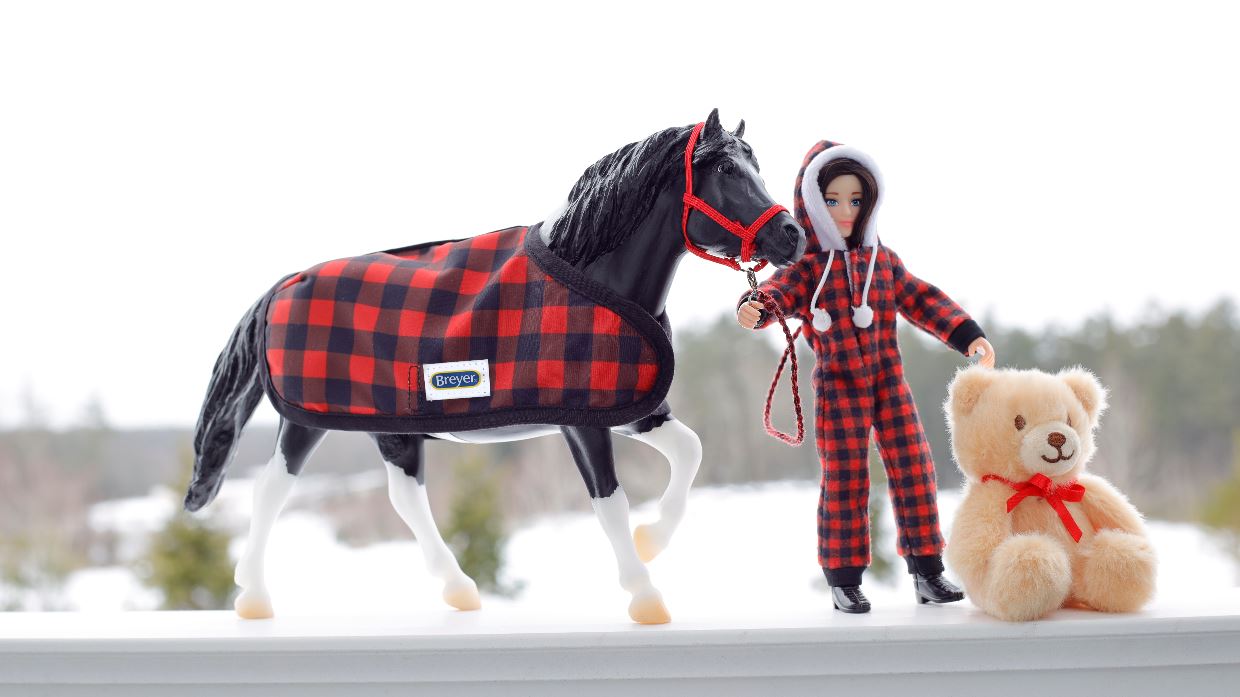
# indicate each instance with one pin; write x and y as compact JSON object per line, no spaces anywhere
{"x":1171,"y":441}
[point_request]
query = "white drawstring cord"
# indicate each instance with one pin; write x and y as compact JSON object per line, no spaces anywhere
{"x":862,"y":316}
{"x":822,"y":318}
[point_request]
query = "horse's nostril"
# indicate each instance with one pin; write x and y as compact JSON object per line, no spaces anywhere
{"x":796,"y":238}
{"x":1056,"y":439}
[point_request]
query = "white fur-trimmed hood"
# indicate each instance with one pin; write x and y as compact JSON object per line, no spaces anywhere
{"x":816,"y":208}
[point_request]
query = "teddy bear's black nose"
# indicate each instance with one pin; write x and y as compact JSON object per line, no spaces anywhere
{"x":1056,"y":439}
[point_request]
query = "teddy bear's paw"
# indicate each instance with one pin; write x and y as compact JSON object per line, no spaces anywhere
{"x":1117,"y":572}
{"x":1028,"y":577}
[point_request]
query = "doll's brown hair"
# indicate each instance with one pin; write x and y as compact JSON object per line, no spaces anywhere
{"x":869,"y":192}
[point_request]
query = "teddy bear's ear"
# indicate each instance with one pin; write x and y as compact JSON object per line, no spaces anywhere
{"x":966,"y":389}
{"x":1088,"y":389}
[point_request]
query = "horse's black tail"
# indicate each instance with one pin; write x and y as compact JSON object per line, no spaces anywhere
{"x":232,"y":396}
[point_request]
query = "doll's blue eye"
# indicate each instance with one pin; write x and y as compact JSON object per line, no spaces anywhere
{"x":832,"y":203}
{"x":856,"y":202}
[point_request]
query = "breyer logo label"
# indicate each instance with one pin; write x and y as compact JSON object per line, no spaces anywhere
{"x":458,"y":380}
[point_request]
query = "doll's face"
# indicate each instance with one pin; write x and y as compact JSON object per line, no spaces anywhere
{"x":844,"y":198}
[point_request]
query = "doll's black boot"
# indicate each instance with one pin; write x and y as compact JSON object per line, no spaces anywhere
{"x":849,"y":599}
{"x":936,"y":589}
{"x":928,"y":580}
{"x":846,"y":592}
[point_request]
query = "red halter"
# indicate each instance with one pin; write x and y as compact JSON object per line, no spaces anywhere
{"x":747,"y":234}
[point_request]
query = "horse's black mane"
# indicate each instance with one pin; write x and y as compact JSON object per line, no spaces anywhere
{"x":615,"y":194}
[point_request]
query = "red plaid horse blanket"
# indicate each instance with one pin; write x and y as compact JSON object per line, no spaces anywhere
{"x":459,"y":335}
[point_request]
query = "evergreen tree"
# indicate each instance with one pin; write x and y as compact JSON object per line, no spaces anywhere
{"x":187,"y":560}
{"x":1222,"y":512}
{"x":475,"y":529}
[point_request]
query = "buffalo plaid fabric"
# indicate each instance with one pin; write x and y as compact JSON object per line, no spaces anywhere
{"x":348,"y":338}
{"x":859,"y":386}
{"x":798,"y":200}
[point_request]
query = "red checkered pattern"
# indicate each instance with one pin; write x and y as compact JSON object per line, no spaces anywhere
{"x":349,"y":336}
{"x":798,"y":201}
{"x":843,"y":436}
{"x":859,"y":385}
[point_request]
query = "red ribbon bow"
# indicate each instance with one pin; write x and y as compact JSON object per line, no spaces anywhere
{"x":1040,"y":485}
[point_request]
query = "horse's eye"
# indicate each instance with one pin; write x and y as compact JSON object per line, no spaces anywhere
{"x":726,"y":167}
{"x":1020,"y":422}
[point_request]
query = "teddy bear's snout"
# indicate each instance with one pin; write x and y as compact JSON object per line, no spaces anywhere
{"x":1057,"y":440}
{"x":1050,"y":449}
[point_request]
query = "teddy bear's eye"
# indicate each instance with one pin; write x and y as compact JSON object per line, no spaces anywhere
{"x":1069,"y":421}
{"x":1020,"y":422}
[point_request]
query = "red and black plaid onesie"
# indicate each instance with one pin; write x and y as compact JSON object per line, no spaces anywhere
{"x":859,"y":380}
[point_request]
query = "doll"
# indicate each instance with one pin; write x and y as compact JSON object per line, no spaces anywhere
{"x":847,"y":290}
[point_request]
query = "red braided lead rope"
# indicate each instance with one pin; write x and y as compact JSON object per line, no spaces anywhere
{"x":748,"y":236}
{"x":790,"y":352}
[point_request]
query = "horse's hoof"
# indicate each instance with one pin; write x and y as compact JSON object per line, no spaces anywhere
{"x":648,"y":608}
{"x":462,"y":595}
{"x":251,"y":605}
{"x":644,"y":539}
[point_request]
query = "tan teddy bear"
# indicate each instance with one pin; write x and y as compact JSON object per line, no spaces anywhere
{"x":1035,"y":532}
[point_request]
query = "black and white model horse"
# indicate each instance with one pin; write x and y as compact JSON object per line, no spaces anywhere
{"x":627,"y":223}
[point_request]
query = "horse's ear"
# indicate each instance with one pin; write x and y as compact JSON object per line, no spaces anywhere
{"x":713,"y":127}
{"x":740,"y":129}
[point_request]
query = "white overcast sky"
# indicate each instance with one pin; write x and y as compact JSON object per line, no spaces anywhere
{"x":162,"y":163}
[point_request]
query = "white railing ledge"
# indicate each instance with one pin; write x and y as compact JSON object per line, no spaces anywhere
{"x":1189,"y":647}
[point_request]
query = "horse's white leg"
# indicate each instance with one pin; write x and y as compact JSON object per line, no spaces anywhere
{"x":294,"y":445}
{"x":647,"y":605}
{"x":591,"y":449}
{"x":408,"y":497}
{"x":683,"y":450}
{"x":271,"y":491}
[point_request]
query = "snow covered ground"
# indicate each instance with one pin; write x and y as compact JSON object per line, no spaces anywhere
{"x":744,"y":551}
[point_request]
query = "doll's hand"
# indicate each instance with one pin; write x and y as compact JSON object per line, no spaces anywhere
{"x":749,"y":314}
{"x":980,"y":345}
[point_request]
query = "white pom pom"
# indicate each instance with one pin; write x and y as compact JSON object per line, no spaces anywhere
{"x":822,"y":320}
{"x":863,"y":316}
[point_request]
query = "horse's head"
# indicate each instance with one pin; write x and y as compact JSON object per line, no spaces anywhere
{"x":724,"y":176}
